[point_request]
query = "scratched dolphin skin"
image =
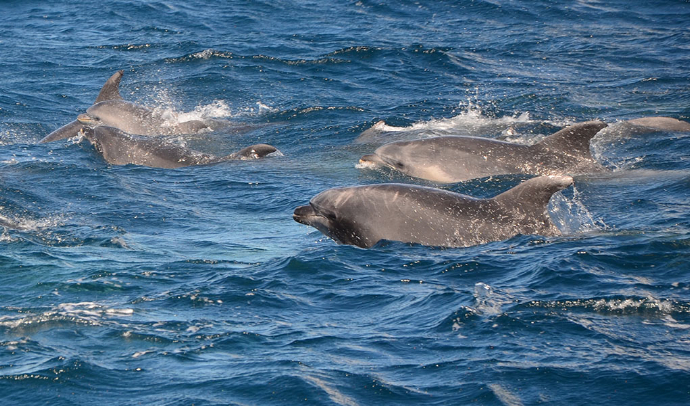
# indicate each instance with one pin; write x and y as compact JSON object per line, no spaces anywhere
{"x":365,"y":215}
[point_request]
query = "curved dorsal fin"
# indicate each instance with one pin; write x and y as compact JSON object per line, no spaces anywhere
{"x":533,"y":195}
{"x":573,"y":140}
{"x":111,"y":88}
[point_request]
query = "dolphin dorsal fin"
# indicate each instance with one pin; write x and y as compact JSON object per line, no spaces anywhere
{"x":572,"y":140}
{"x":111,"y":88}
{"x":533,"y":195}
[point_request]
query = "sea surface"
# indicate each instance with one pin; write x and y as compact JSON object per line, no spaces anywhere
{"x":130,"y":285}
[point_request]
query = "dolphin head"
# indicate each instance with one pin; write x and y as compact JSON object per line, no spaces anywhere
{"x":390,"y":155}
{"x":420,"y":160}
{"x":88,"y":120}
{"x":333,"y":212}
{"x":111,"y":143}
{"x":107,"y":113}
{"x":121,"y":114}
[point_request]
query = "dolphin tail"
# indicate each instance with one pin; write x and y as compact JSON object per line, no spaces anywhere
{"x":66,"y":131}
{"x":573,"y":140}
{"x":111,"y":88}
{"x":252,"y":152}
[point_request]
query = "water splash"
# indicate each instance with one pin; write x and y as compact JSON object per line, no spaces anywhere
{"x":571,"y":216}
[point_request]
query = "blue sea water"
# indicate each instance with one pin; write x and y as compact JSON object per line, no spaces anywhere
{"x":132,"y":285}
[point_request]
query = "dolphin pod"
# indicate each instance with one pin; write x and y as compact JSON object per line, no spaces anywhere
{"x":120,"y":148}
{"x":110,"y":109}
{"x":365,"y":215}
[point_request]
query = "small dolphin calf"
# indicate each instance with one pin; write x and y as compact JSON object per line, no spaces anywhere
{"x":455,"y":159}
{"x":364,"y":215}
{"x":110,"y":109}
{"x":120,"y":148}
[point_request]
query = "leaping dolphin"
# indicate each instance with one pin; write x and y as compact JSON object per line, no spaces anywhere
{"x":120,"y":148}
{"x":110,"y":109}
{"x":455,"y":158}
{"x":364,"y":215}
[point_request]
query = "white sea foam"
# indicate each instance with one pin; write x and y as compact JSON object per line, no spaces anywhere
{"x":28,"y":224}
{"x":571,"y":216}
{"x":471,"y":121}
{"x":89,"y":313}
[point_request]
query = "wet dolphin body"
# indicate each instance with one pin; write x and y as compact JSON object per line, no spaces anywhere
{"x":661,"y":123}
{"x":120,"y":148}
{"x":455,"y":159}
{"x":364,"y":215}
{"x":110,"y":109}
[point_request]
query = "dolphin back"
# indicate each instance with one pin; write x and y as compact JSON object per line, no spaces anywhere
{"x":529,"y":201}
{"x":573,"y":140}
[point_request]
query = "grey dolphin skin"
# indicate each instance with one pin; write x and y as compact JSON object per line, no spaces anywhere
{"x":110,"y":109}
{"x":661,"y":123}
{"x":364,"y":215}
{"x":455,"y":159}
{"x":120,"y":148}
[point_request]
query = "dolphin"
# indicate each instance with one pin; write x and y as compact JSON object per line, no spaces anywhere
{"x":364,"y":215}
{"x":121,"y":148}
{"x":110,"y":109}
{"x":661,"y":123}
{"x":455,"y":158}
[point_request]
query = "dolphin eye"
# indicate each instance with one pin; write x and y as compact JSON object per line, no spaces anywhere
{"x":399,"y":165}
{"x":329,"y":215}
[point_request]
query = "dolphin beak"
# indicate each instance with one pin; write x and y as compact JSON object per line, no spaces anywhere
{"x":370,"y":161}
{"x":86,"y":119}
{"x":302,"y":214}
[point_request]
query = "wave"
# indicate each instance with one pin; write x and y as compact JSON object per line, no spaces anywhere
{"x":637,"y":306}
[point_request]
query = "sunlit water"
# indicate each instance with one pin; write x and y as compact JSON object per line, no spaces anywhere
{"x":132,"y":285}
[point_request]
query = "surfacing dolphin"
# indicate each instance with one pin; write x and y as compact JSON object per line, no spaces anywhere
{"x":364,"y":215}
{"x":120,"y":148}
{"x":455,"y":158}
{"x":661,"y":123}
{"x":110,"y":109}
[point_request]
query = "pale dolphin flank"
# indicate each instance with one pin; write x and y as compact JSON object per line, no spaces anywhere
{"x":661,"y":123}
{"x":110,"y":109}
{"x":364,"y":215}
{"x":120,"y":148}
{"x":455,"y":159}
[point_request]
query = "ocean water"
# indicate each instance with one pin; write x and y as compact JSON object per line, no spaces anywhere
{"x":131,"y":285}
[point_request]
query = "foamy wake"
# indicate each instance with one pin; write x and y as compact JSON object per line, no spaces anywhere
{"x":472,"y":121}
{"x":26,"y":224}
{"x":218,"y":111}
{"x":89,"y":313}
